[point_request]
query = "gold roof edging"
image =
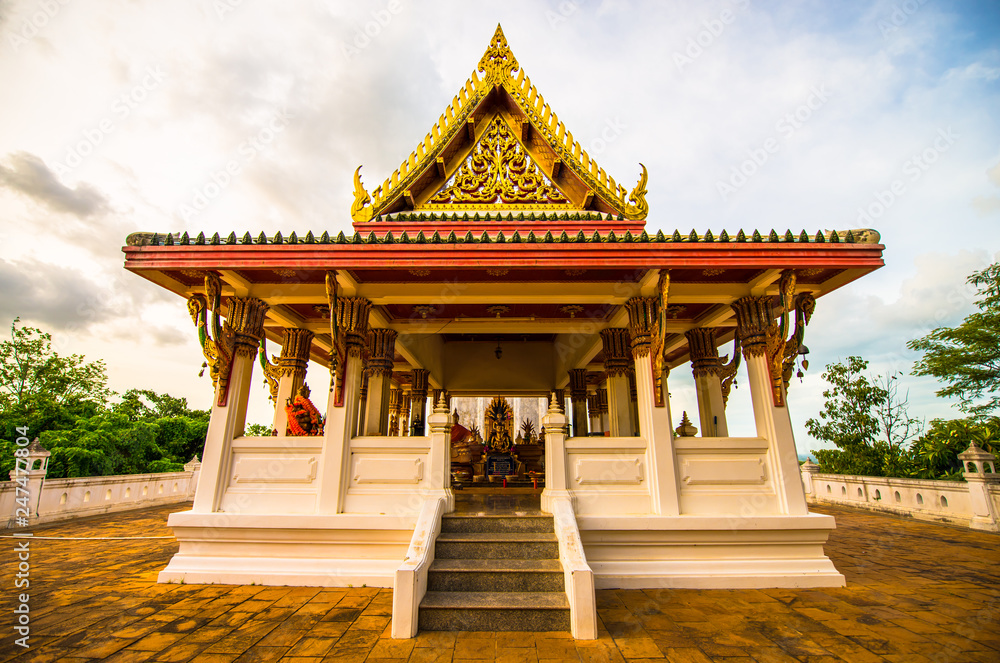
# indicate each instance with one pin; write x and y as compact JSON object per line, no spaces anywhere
{"x":498,"y":65}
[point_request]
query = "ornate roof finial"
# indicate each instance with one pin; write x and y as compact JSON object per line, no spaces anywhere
{"x":498,"y":63}
{"x":360,"y":211}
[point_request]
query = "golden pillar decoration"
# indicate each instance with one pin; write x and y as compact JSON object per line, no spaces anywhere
{"x":238,"y":335}
{"x":420,"y":377}
{"x":658,"y":363}
{"x":705,"y":358}
{"x":619,"y":366}
{"x":246,"y":318}
{"x":418,"y":400}
{"x":296,"y":345}
{"x":753,"y":317}
{"x":760,"y":335}
{"x":707,"y":368}
{"x":727,"y":373}
{"x":395,"y":404}
{"x":352,"y":320}
{"x":404,"y":412}
{"x":381,"y":351}
{"x":805,"y":304}
{"x":642,"y":323}
{"x":578,"y":395}
{"x":616,"y":343}
{"x":578,"y":383}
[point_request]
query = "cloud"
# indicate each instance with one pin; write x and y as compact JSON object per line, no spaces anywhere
{"x":29,"y":176}
{"x":988,"y":204}
{"x":57,"y":297}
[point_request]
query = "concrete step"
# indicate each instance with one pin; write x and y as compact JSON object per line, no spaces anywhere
{"x":541,"y":522}
{"x":494,"y":611}
{"x":496,"y":545}
{"x":495,"y":575}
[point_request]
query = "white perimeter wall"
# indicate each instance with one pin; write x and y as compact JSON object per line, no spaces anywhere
{"x":61,"y":499}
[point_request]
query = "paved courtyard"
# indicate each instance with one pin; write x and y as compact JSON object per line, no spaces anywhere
{"x":916,"y":592}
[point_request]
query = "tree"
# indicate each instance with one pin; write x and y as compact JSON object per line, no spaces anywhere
{"x":36,"y":383}
{"x":967,"y":357}
{"x":867,"y":419}
{"x":146,"y":404}
{"x":65,"y":401}
{"x":935,"y":453}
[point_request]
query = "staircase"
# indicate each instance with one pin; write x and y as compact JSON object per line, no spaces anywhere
{"x":495,"y":573}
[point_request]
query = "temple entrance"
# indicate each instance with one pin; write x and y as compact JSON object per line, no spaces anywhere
{"x":493,"y":454}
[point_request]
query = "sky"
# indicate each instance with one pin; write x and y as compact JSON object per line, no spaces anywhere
{"x":120,"y":116}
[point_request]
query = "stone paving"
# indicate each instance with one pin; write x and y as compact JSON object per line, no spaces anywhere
{"x":916,"y":592}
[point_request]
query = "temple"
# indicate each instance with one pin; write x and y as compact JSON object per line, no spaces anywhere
{"x":501,"y":262}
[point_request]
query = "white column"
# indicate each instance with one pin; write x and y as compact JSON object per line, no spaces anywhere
{"x":439,"y":460}
{"x":617,"y":362}
{"x":656,"y":428}
{"x":711,"y":406}
{"x":578,"y":395}
{"x":754,"y":317}
{"x":246,"y":316}
{"x":653,"y":422}
{"x":706,"y":366}
{"x":619,"y":406}
{"x":774,"y":425}
{"x":594,"y":412}
{"x":382,"y":344}
{"x":553,"y":423}
{"x":340,"y":427}
{"x":342,"y":422}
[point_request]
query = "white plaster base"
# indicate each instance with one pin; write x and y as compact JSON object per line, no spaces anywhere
{"x":709,"y":553}
{"x":305,"y":550}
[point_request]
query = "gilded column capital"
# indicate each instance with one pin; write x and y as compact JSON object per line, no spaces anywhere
{"x":420,"y":377}
{"x":352,"y":319}
{"x":705,"y":358}
{"x":602,"y":401}
{"x":643,"y":315}
{"x":616,"y":351}
{"x":754,"y":323}
{"x":381,"y":350}
{"x":246,"y":319}
{"x":296,"y":345}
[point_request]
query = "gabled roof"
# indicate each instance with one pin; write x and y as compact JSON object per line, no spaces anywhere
{"x":498,"y":147}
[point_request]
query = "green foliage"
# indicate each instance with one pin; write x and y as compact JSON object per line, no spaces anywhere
{"x":258,"y":430}
{"x":935,"y":453}
{"x":30,"y":369}
{"x":967,"y":357}
{"x":66,"y":402}
{"x":867,"y":419}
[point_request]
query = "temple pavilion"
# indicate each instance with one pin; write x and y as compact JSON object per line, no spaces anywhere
{"x":500,"y":260}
